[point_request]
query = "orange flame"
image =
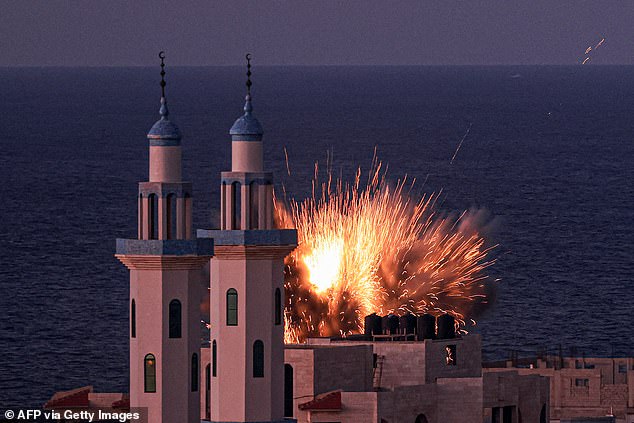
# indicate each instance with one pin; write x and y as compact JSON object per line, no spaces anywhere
{"x":372,"y":249}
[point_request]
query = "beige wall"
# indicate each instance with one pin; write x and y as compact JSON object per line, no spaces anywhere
{"x":165,"y":164}
{"x":321,"y":369}
{"x":359,"y":407}
{"x":405,"y":403}
{"x":567,"y":400}
{"x":459,"y":399}
{"x":246,"y":156}
{"x":468,"y":358}
{"x":152,"y":291}
{"x":236,"y":394}
{"x":528,"y":393}
{"x":330,"y":365}
{"x":403,"y":363}
{"x":347,"y":367}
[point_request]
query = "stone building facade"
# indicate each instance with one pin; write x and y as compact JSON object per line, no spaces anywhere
{"x":338,"y":380}
{"x":581,"y":387}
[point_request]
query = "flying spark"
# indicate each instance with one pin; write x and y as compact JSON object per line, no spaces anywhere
{"x":460,"y":144}
{"x":288,"y":169}
{"x":590,"y":48}
{"x":369,"y":247}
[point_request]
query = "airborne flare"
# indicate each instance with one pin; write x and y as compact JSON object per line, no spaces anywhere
{"x":372,"y":248}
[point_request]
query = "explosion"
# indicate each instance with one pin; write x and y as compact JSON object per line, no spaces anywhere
{"x":370,"y":248}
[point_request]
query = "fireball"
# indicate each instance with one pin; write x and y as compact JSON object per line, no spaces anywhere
{"x":372,"y":248}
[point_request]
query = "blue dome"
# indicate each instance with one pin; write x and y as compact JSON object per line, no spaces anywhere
{"x":246,"y":127}
{"x":164,"y":129}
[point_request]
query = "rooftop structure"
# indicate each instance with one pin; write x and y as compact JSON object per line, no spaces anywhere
{"x":581,"y":387}
{"x":381,"y":378}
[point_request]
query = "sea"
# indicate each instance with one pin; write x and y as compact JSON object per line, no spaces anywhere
{"x":548,"y":156}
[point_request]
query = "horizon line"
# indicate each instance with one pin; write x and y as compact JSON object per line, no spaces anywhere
{"x":326,"y":65}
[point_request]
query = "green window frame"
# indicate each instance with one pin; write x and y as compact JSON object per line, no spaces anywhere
{"x":232,"y":307}
{"x":149,"y":373}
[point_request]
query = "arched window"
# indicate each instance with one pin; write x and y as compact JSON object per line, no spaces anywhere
{"x":236,"y":204}
{"x":133,"y":319}
{"x":140,"y":225}
{"x":232,"y":307}
{"x":207,"y":392}
{"x":421,"y":418}
{"x":278,"y":306}
{"x":149,"y":373}
{"x":258,"y":359}
{"x":175,"y":319}
{"x":288,"y":390}
{"x":254,"y":189}
{"x":194,"y":372}
{"x":152,"y":216}
{"x":214,"y":358}
{"x":171,"y":216}
{"x":187,"y":217}
{"x":208,"y":377}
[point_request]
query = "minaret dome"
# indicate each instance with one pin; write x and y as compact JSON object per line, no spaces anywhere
{"x":165,"y":142}
{"x":246,"y":136}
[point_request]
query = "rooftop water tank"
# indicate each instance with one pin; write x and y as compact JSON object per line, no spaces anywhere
{"x":372,"y":325}
{"x":446,"y":327}
{"x":390,"y":324}
{"x":407,"y":324}
{"x":425,"y":327}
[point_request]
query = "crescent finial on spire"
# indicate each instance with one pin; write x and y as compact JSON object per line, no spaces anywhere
{"x":164,"y":132}
{"x":247,"y":127}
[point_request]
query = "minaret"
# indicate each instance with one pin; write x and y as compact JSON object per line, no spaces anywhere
{"x":247,"y":285}
{"x":165,"y":277}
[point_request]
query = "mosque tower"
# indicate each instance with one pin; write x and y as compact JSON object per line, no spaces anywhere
{"x":247,"y":285}
{"x":165,"y":265}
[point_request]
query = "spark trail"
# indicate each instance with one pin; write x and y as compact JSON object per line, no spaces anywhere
{"x":370,"y":247}
{"x":590,"y":49}
{"x":460,"y":144}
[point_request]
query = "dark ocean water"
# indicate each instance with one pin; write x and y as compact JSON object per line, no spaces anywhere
{"x":549,"y":156}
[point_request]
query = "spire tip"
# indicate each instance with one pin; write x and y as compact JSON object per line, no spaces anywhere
{"x":163,"y":110}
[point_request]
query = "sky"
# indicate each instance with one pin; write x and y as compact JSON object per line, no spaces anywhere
{"x":317,"y":32}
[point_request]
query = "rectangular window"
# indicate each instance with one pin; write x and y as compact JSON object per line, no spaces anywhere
{"x":582,"y":382}
{"x":622,"y":368}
